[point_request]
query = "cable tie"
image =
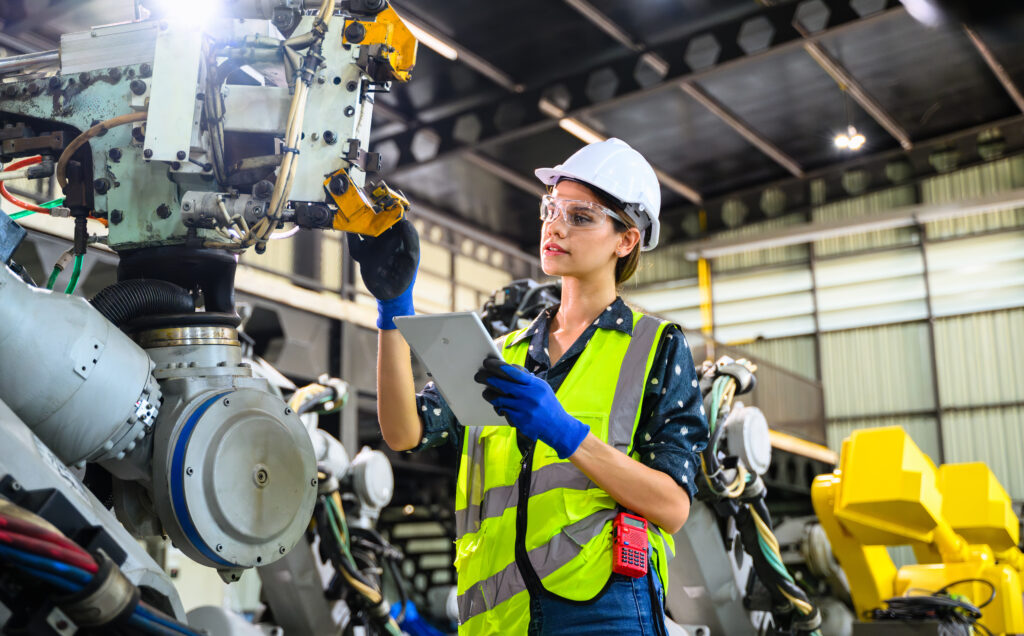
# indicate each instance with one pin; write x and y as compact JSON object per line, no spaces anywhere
{"x":290,"y":149}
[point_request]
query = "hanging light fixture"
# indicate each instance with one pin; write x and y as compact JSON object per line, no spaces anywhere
{"x":852,"y":139}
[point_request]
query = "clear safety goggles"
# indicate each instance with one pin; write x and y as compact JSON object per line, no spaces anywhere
{"x":576,"y":214}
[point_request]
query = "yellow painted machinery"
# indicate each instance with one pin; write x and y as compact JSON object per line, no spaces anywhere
{"x":957,"y":518}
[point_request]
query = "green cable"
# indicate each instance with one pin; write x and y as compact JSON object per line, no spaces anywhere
{"x":53,"y":277}
{"x":329,"y":506}
{"x":48,"y":204}
{"x":75,"y":273}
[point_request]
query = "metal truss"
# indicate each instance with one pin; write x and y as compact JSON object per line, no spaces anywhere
{"x":517,"y":115}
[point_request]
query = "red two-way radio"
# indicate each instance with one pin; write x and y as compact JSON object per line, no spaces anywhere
{"x":630,"y":551}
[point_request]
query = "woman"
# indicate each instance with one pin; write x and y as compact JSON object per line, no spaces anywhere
{"x":604,"y":409}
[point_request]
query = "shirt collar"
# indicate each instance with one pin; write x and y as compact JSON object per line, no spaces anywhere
{"x":617,"y":316}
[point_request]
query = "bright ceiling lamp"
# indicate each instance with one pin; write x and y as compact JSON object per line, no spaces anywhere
{"x":431,"y":41}
{"x":850,"y":140}
{"x":191,"y":13}
{"x":580,"y":130}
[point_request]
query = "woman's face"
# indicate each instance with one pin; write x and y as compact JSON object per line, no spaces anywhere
{"x":582,"y":252}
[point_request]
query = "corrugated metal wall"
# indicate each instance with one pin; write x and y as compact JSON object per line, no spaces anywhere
{"x":860,"y":207}
{"x":877,"y":370}
{"x":771,"y":256}
{"x":994,"y":436}
{"x":968,"y":350}
{"x":921,"y":428}
{"x":989,"y":178}
{"x":793,"y":354}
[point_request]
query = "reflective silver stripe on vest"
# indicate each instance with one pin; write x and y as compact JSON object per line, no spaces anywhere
{"x":630,"y":388}
{"x":499,"y":499}
{"x":464,"y":517}
{"x":545,"y":559}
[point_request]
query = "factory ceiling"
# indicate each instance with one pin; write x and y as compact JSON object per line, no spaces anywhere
{"x":736,"y":103}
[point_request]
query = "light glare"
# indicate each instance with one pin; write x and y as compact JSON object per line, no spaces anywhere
{"x":580,"y":130}
{"x":431,"y":41}
{"x":842,"y":141}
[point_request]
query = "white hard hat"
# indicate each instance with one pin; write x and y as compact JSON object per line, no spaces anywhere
{"x":612,"y":166}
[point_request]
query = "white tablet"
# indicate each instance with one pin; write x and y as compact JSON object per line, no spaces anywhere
{"x":453,"y":348}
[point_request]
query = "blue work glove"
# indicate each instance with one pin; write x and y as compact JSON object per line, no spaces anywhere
{"x":529,"y":404}
{"x":388,"y":265}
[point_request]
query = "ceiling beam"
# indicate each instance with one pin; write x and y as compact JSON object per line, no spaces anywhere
{"x":606,"y":24}
{"x":515,"y":116}
{"x":506,"y":174}
{"x":462,"y":54}
{"x":852,"y":87}
{"x":743,"y":128}
{"x":997,"y":68}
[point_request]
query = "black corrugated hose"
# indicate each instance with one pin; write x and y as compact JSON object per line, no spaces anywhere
{"x":127,"y":300}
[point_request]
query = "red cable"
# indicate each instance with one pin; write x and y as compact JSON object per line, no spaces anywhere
{"x":20,"y":526}
{"x":48,"y":550}
{"x":31,"y":161}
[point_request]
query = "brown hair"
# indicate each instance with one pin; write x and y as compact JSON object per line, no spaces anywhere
{"x":626,"y":266}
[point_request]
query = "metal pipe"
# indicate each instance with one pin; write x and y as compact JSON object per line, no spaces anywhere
{"x":18,"y":62}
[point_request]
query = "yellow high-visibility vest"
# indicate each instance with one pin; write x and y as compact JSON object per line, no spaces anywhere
{"x":568,"y":529}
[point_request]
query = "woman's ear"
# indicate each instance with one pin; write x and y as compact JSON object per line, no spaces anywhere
{"x":627,"y":241}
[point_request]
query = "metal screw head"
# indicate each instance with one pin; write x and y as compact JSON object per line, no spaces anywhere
{"x":349,"y":111}
{"x":329,"y":137}
{"x":147,"y":153}
{"x":114,"y":154}
{"x":186,"y":206}
{"x":163,"y":211}
{"x":281,"y":549}
{"x":137,"y":87}
{"x":338,"y":185}
{"x":15,"y":485}
{"x":54,"y":83}
{"x":116,"y":216}
{"x":355,"y":32}
{"x":312,"y":482}
{"x":181,"y":155}
{"x":189,"y":471}
{"x":351,"y":86}
{"x":227,"y":402}
{"x":146,"y":69}
{"x":102,"y":186}
{"x":287,"y":411}
{"x":220,"y":548}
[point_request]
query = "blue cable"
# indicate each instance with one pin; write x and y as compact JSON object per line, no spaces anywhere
{"x":68,"y":572}
{"x":69,"y":578}
{"x":177,"y":628}
{"x":56,"y":581}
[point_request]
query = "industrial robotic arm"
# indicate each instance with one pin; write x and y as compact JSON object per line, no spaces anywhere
{"x":170,"y":136}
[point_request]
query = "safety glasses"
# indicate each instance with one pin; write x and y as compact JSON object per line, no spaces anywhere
{"x":576,"y":214}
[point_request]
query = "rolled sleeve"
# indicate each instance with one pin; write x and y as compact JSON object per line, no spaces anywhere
{"x":439,"y":424}
{"x":673,"y":429}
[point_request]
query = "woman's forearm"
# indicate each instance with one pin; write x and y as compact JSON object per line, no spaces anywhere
{"x":396,"y":393}
{"x":644,"y":490}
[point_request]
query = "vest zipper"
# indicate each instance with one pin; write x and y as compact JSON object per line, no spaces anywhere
{"x":533,"y":584}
